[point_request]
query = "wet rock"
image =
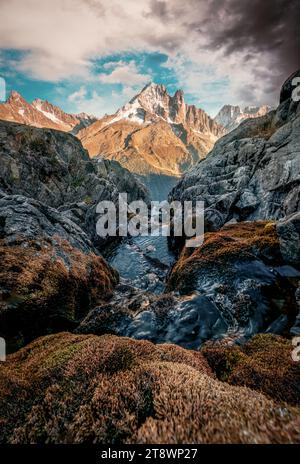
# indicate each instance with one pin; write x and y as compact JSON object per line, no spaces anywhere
{"x":295,"y":330}
{"x":133,"y":313}
{"x":288,"y":230}
{"x":145,"y":261}
{"x":243,"y":277}
{"x":187,"y":321}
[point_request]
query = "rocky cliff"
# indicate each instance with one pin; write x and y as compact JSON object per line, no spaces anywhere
{"x":51,"y":266}
{"x":252,"y":173}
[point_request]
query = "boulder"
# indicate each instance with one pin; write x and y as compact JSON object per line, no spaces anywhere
{"x":47,"y":286}
{"x":243,"y":280}
{"x":288,"y":231}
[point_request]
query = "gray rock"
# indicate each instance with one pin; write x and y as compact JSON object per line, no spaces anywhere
{"x":253,"y":172}
{"x":288,"y":231}
{"x":295,"y":330}
{"x":24,"y":219}
{"x":53,"y":168}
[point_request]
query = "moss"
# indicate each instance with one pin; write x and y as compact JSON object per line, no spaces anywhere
{"x":61,"y":389}
{"x":121,"y":358}
{"x":59,"y":358}
{"x":263,"y":364}
{"x":221,"y":359}
{"x":78,"y":182}
{"x":235,"y":242}
{"x":46,"y":289}
{"x":88,"y":200}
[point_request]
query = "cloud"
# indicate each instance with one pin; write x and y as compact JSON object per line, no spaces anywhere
{"x":91,"y":102}
{"x":82,"y":103}
{"x":124,"y":73}
{"x":223,"y":51}
{"x":77,"y":95}
{"x":261,"y":38}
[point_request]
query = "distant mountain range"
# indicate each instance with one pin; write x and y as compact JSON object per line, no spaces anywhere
{"x":156,"y":136}
{"x":231,"y":116}
{"x":41,"y":113}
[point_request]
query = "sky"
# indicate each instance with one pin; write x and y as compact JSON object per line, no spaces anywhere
{"x":95,"y":55}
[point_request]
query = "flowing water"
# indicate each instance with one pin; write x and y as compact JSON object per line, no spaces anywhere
{"x":143,"y":264}
{"x":142,"y":261}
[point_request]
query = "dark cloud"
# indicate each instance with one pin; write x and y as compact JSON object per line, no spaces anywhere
{"x":269,"y":28}
{"x":159,"y":8}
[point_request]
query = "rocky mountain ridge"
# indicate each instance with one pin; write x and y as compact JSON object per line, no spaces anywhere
{"x":41,"y":113}
{"x":231,"y":116}
{"x":155,"y":135}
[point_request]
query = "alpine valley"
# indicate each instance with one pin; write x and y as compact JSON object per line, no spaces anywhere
{"x":156,"y":136}
{"x":141,"y":339}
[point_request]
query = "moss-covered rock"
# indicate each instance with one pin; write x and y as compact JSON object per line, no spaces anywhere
{"x":67,"y":388}
{"x":264,"y":364}
{"x":235,"y":242}
{"x":241,"y":272}
{"x":46,"y":288}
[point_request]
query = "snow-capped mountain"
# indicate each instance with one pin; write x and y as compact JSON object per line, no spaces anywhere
{"x":154,"y":103}
{"x":41,"y":113}
{"x":155,"y":135}
{"x":231,"y":116}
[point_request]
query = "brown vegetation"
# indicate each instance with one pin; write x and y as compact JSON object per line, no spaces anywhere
{"x":264,"y":364}
{"x":46,"y":288}
{"x":242,"y":241}
{"x":68,"y":388}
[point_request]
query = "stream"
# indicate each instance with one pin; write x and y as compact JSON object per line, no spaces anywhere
{"x":142,"y":261}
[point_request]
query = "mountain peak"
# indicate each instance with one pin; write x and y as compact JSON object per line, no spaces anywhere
{"x":153,"y":103}
{"x":153,"y":86}
{"x":179,"y":94}
{"x":231,"y":116}
{"x":151,"y":90}
{"x":41,"y":113}
{"x":16,"y":97}
{"x":38,"y":101}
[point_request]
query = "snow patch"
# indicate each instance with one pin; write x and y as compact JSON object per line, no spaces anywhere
{"x":49,"y":115}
